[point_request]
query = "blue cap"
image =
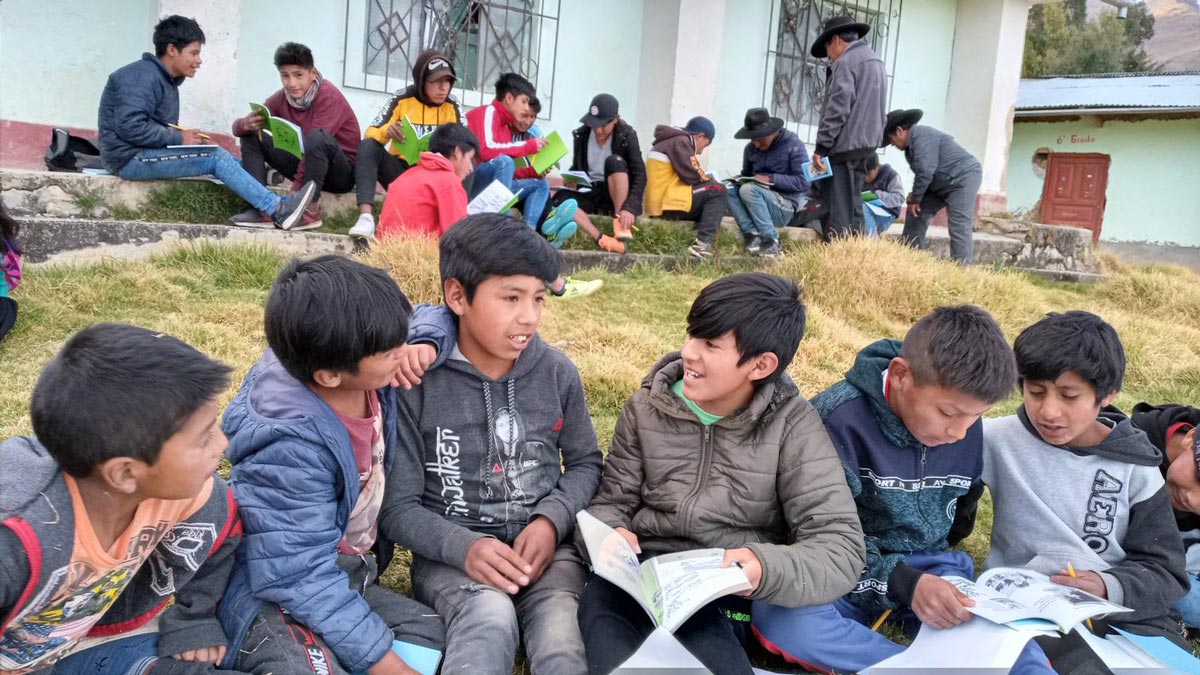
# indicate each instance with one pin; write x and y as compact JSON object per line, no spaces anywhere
{"x":701,"y":125}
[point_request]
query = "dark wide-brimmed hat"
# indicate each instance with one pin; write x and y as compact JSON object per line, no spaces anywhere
{"x":758,"y":124}
{"x":832,"y":26}
{"x":900,"y":118}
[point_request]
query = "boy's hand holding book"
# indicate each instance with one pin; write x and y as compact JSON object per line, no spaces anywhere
{"x":391,"y":664}
{"x":631,"y":538}
{"x":536,"y":545}
{"x":396,"y":130}
{"x":1084,"y":580}
{"x":492,"y":562}
{"x":750,"y":564}
{"x":939,"y":603}
{"x":202,"y":655}
{"x":254,"y":121}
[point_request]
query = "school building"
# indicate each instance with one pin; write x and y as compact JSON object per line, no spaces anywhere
{"x":1119,"y":154}
{"x":665,"y":60}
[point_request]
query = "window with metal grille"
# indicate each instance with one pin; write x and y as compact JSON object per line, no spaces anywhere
{"x":483,"y":38}
{"x":794,"y":81}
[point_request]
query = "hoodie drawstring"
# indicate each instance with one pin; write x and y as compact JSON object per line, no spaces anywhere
{"x":491,"y":417}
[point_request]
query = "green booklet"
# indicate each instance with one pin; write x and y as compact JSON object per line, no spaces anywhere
{"x":285,"y":135}
{"x":413,"y":144}
{"x":548,"y":156}
{"x":740,"y":180}
{"x":869,"y":196}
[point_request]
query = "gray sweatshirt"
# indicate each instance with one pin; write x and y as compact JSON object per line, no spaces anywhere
{"x":937,"y":161}
{"x":480,"y":457}
{"x":1102,"y":508}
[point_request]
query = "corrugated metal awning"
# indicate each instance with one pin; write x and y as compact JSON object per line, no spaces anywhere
{"x":1126,"y":93}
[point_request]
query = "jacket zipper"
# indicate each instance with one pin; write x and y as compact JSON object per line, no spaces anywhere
{"x":921,"y":486}
{"x":688,"y":502}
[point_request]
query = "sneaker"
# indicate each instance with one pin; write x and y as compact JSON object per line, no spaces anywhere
{"x":558,"y":218}
{"x":700,"y":250}
{"x":753,"y":242}
{"x":771,"y":248}
{"x":563,"y":234}
{"x":364,"y":228}
{"x":624,"y":234}
{"x":610,"y":244}
{"x":252,"y":217}
{"x":291,"y":208}
{"x":576,"y":288}
{"x":311,"y":219}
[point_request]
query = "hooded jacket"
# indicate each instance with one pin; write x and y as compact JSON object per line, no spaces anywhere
{"x":296,"y":480}
{"x":889,"y":189}
{"x":411,"y":103}
{"x":673,"y":172}
{"x":190,"y":563}
{"x":481,"y":457}
{"x":139,"y":101}
{"x":782,"y":161}
{"x":1103,"y":508}
{"x":624,"y":145}
{"x":855,"y":107}
{"x":493,"y":126}
{"x":765,"y":478}
{"x":938,"y":162}
{"x":1160,"y":422}
{"x":911,"y":498}
{"x":427,"y":199}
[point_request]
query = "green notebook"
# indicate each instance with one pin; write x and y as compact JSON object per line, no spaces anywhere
{"x":548,"y":156}
{"x":413,"y":144}
{"x":285,"y":135}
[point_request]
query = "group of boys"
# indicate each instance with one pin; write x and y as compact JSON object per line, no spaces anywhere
{"x":456,"y":432}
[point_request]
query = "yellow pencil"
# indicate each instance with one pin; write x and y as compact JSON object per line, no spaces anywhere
{"x":882,"y":617}
{"x":1071,"y":571}
{"x":201,"y":134}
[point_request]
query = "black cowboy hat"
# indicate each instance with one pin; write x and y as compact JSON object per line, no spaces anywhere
{"x":832,"y":26}
{"x":758,"y":124}
{"x":900,"y":118}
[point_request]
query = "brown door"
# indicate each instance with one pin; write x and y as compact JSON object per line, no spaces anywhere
{"x":1074,"y":192}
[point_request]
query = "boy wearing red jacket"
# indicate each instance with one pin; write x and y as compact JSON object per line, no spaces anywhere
{"x":429,"y":198}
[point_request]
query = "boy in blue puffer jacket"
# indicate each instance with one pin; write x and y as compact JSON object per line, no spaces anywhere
{"x":312,"y":436}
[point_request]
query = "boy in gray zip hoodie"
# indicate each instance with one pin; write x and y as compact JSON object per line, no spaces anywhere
{"x":1074,"y":471}
{"x":497,"y":455}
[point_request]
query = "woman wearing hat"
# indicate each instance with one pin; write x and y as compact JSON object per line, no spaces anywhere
{"x":944,"y":176}
{"x":773,"y":157}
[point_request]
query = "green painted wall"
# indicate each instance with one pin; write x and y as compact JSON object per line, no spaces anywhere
{"x":1151,"y":180}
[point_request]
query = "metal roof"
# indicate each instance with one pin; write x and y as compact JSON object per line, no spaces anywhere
{"x":1116,"y":93}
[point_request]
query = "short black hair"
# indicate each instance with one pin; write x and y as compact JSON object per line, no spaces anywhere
{"x":512,"y":83}
{"x":293,"y":54}
{"x":535,"y":104}
{"x":961,"y":348}
{"x":447,"y":138}
{"x":872,"y":162}
{"x":495,"y":245}
{"x":116,"y":390}
{"x":176,"y":30}
{"x":331,"y":312}
{"x":764,"y":312}
{"x":1075,"y":341}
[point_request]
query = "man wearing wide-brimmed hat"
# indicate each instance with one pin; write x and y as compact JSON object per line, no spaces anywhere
{"x":944,"y":176}
{"x":851,"y":125}
{"x":772,"y":185}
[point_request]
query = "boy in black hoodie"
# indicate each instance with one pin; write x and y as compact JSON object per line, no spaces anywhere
{"x":497,"y":455}
{"x":114,"y":510}
{"x":427,"y":103}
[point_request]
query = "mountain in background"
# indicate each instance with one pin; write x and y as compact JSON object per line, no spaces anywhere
{"x":1176,"y":42}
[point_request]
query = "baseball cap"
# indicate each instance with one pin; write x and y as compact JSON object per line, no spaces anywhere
{"x":602,"y":111}
{"x":701,"y":125}
{"x":437,"y":68}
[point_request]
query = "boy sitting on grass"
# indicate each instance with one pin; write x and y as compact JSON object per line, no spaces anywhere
{"x":114,"y":510}
{"x":718,"y":449}
{"x":312,"y":436}
{"x":1076,"y":472}
{"x":906,"y":422}
{"x":429,"y":198}
{"x":498,"y":454}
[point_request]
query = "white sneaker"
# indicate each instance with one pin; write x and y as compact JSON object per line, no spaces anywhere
{"x":364,"y":227}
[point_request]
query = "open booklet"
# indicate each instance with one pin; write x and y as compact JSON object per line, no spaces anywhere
{"x":285,"y":135}
{"x":413,"y":144}
{"x":810,"y":175}
{"x":669,"y":587}
{"x":739,"y":180}
{"x":1026,"y":600}
{"x":495,"y":198}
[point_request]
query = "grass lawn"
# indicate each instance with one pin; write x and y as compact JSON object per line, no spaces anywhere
{"x":857,"y":291}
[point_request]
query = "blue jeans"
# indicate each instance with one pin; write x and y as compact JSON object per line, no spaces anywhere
{"x":156,"y":163}
{"x":1189,"y":605}
{"x":759,"y":210}
{"x":839,"y":637}
{"x":535,"y":191}
{"x":127,"y":656}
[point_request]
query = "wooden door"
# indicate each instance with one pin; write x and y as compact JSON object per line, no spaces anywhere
{"x":1074,"y":191}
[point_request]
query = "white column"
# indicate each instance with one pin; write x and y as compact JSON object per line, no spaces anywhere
{"x":206,"y":101}
{"x":989,"y":41}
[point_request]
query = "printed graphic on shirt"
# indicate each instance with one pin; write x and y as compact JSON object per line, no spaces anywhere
{"x":447,"y":466}
{"x":511,"y":475}
{"x":1101,"y":510}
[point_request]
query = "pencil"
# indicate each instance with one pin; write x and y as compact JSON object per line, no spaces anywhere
{"x":1071,"y":571}
{"x":882,"y":617}
{"x":201,"y":134}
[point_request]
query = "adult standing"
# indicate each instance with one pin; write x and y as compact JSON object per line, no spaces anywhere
{"x":852,"y":119}
{"x":944,"y":175}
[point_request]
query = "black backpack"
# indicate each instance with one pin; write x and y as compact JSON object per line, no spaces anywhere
{"x":71,"y":153}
